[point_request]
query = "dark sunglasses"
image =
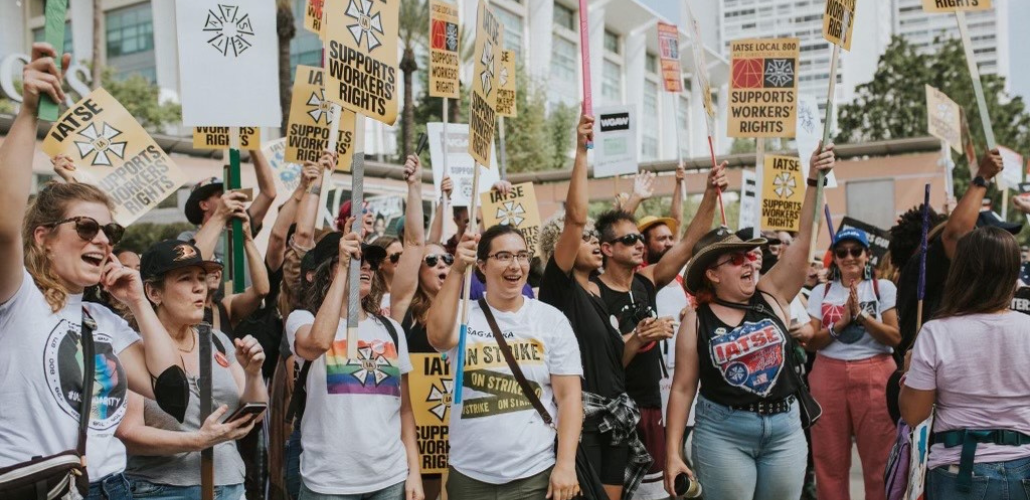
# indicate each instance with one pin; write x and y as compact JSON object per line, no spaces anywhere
{"x":629,"y":239}
{"x":88,"y":227}
{"x":842,"y":253}
{"x":432,"y":259}
{"x":396,"y":257}
{"x":738,"y":259}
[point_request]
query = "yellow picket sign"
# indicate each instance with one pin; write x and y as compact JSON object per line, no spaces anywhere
{"x":361,"y":57}
{"x":506,"y":85}
{"x":218,"y":137}
{"x":834,"y":22}
{"x":444,"y":41}
{"x":313,"y":17}
{"x":484,"y":85}
{"x":764,"y":88}
{"x":430,"y":383}
{"x":517,"y":209}
{"x":955,"y":5}
{"x":944,"y":118}
{"x":783,"y":193}
{"x":310,"y":117}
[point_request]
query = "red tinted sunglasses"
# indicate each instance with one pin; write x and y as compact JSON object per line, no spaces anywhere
{"x":738,"y":259}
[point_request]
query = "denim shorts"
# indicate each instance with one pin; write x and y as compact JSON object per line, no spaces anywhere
{"x":154,"y":491}
{"x":991,"y":481}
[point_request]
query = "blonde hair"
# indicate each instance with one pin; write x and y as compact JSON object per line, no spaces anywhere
{"x":49,"y":207}
{"x":550,"y":233}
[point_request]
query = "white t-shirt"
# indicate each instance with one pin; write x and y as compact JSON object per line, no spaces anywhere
{"x":41,"y":369}
{"x":853,"y":341}
{"x":351,"y":429}
{"x":496,"y":435}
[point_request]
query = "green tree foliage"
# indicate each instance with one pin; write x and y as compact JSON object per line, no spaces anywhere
{"x":142,"y":99}
{"x":139,"y":236}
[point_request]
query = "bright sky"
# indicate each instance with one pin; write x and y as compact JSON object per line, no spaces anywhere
{"x":668,"y":8}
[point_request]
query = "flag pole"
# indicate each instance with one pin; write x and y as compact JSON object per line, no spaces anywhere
{"x":473,"y":225}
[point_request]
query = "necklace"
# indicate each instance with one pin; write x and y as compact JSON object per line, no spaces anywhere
{"x":194,"y":346}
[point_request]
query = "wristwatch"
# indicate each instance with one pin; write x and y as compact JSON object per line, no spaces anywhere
{"x":815,"y":182}
{"x":980,"y":181}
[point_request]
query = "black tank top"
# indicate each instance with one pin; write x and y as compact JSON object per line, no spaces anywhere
{"x":418,"y":340}
{"x":746,"y":363}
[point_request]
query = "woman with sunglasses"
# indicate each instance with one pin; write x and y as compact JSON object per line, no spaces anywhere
{"x":500,"y":446}
{"x":394,"y":249}
{"x":855,"y":328}
{"x":747,"y":441}
{"x":52,"y":251}
{"x":164,"y":455}
{"x":357,"y":426}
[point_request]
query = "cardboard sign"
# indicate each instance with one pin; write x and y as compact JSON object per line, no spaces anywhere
{"x":944,"y":118}
{"x":387,"y":209}
{"x":218,"y":137}
{"x":506,"y":85}
{"x":287,"y":175}
{"x":955,"y":5}
{"x":310,"y":119}
{"x":1013,"y":167}
{"x":444,"y":43}
{"x":783,"y":192}
{"x":430,"y":383}
{"x":112,"y":151}
{"x":839,"y":22}
{"x":1021,"y":301}
{"x":809,"y":133}
{"x":669,"y":53}
{"x":227,"y":71}
{"x":313,"y":17}
{"x":615,"y":141}
{"x":361,"y":57}
{"x":459,"y":162}
{"x":517,"y":209}
{"x":748,"y":199}
{"x":879,"y":239}
{"x":764,"y":87}
{"x":483,"y":102}
{"x":701,"y":67}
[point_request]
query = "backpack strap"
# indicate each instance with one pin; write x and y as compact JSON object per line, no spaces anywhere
{"x":86,"y":406}
{"x":389,"y":329}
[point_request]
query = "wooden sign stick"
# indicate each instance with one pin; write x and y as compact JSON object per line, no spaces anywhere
{"x":239,"y":268}
{"x":974,"y":73}
{"x":357,"y":210}
{"x":473,"y":225}
{"x":584,"y":51}
{"x":207,"y":455}
{"x":503,"y":150}
{"x":327,"y":175}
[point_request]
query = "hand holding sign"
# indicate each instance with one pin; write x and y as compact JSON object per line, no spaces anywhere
{"x":41,"y":76}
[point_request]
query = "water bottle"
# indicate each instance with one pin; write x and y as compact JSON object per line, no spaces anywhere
{"x":687,"y":487}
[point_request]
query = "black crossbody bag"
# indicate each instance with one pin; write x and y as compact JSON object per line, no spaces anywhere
{"x":52,"y":477}
{"x":589,"y":482}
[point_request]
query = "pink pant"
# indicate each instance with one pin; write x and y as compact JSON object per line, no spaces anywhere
{"x":852,"y":394}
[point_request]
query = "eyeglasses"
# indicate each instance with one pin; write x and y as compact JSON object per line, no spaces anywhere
{"x":394,"y":258}
{"x":433,"y":258}
{"x":629,"y":239}
{"x":88,"y":227}
{"x":506,"y":257}
{"x":738,"y":259}
{"x":842,"y":253}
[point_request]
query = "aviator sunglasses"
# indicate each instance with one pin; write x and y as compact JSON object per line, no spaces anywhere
{"x":432,"y":259}
{"x":88,"y":227}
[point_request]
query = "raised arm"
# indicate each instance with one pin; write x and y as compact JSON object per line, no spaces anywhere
{"x":676,"y":210}
{"x":309,"y":210}
{"x":207,"y":237}
{"x":576,"y":201}
{"x":436,"y":228}
{"x":643,"y":188}
{"x":244,"y":304}
{"x":676,"y":258}
{"x":441,"y":325}
{"x":250,"y":357}
{"x":266,"y":188}
{"x":963,"y":219}
{"x":405,"y":278}
{"x":275,"y":254}
{"x":786,"y":278}
{"x":315,"y":340}
{"x":38,"y":77}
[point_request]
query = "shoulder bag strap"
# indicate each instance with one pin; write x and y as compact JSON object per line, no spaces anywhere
{"x":86,"y":407}
{"x":516,"y":371}
{"x":300,"y":393}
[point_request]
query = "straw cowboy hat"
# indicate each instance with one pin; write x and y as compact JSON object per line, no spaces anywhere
{"x":649,"y":220}
{"x":712,"y":245}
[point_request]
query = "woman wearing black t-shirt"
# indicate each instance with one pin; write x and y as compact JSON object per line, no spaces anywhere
{"x":748,"y":441}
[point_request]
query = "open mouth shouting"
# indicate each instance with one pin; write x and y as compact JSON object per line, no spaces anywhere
{"x":95,"y":259}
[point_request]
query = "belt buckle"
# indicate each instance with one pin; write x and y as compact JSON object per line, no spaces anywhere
{"x":761,"y":407}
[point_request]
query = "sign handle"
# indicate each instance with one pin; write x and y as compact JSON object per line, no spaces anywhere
{"x":239,"y":269}
{"x":56,"y":11}
{"x":829,"y":222}
{"x":357,"y":210}
{"x":324,"y":216}
{"x":826,"y":139}
{"x":974,"y":73}
{"x":459,"y":372}
{"x":503,"y":151}
{"x":722,"y":210}
{"x":207,"y":455}
{"x":584,"y":50}
{"x":759,"y":185}
{"x":227,"y":281}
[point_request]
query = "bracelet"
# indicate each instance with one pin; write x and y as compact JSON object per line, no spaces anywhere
{"x":833,"y":334}
{"x":815,"y":182}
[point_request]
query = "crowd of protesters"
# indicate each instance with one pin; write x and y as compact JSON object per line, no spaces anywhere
{"x":656,"y":347}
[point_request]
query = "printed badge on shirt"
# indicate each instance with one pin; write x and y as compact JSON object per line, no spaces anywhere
{"x":64,"y":369}
{"x":498,"y":391}
{"x":375,"y":372}
{"x":750,"y":357}
{"x":853,"y":332}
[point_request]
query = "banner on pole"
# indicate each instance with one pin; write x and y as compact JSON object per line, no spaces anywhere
{"x":955,"y":5}
{"x":506,"y":85}
{"x":839,"y":22}
{"x":459,"y":162}
{"x":701,"y":68}
{"x":748,"y":197}
{"x":669,"y":53}
{"x":879,"y":239}
{"x":430,"y":384}
{"x":361,"y":57}
{"x":311,"y":116}
{"x":615,"y":141}
{"x":218,"y":137}
{"x":809,"y":133}
{"x":764,"y":88}
{"x":287,"y":175}
{"x":444,"y":43}
{"x":112,"y":151}
{"x":483,"y":102}
{"x":313,"y":17}
{"x":783,"y":193}
{"x":227,"y":72}
{"x":943,"y":118}
{"x":518,"y":209}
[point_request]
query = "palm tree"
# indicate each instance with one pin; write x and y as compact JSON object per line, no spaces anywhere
{"x":413,"y":31}
{"x":286,"y":29}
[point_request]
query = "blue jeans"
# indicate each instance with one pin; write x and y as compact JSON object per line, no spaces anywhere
{"x":395,"y":492}
{"x":113,"y":487}
{"x":740,"y":455}
{"x":153,"y":491}
{"x":991,"y":481}
{"x":293,"y":451}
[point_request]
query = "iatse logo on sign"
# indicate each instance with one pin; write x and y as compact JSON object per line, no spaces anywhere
{"x":614,"y":121}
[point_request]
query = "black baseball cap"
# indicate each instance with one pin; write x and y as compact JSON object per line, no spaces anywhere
{"x":990,"y":218}
{"x":329,"y":247}
{"x":170,"y":255}
{"x":201,"y":191}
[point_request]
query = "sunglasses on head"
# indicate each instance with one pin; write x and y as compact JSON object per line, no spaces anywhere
{"x":372,"y":264}
{"x":842,"y":253}
{"x":88,"y":227}
{"x":432,"y":259}
{"x":738,"y":259}
{"x":394,"y":258}
{"x":629,"y":239}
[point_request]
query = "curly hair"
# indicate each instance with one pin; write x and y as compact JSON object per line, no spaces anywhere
{"x":550,"y":232}
{"x":907,"y":232}
{"x":50,"y":206}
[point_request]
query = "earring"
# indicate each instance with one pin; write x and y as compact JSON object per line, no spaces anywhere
{"x":868,"y":274}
